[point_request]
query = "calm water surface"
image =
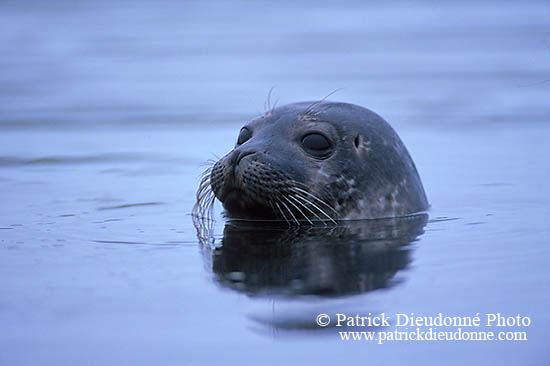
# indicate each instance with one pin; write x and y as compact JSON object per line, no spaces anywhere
{"x":109,"y":112}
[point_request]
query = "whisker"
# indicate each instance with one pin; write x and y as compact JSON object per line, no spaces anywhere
{"x":302,"y":212}
{"x":210,"y":162}
{"x":315,"y":198}
{"x":272,"y":207}
{"x":295,"y":198}
{"x":274,"y":105}
{"x":203,"y":210}
{"x":290,"y":212}
{"x":282,"y":213}
{"x":318,"y":208}
{"x":309,"y":109}
{"x":267,"y":103}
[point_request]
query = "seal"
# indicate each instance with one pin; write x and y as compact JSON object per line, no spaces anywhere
{"x":314,"y":161}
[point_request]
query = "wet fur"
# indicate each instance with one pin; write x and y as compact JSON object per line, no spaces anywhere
{"x":370,"y":175}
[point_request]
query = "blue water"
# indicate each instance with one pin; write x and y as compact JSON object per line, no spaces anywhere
{"x":110,"y":110}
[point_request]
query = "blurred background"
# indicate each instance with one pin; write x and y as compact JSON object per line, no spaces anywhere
{"x":85,"y":63}
{"x":110,"y":109}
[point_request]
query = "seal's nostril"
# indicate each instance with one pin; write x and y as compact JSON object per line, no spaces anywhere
{"x":241,"y":155}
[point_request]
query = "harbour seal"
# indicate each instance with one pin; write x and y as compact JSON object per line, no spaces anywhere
{"x":313,"y":162}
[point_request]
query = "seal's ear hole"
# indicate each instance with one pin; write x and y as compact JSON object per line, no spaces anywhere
{"x":361,"y":144}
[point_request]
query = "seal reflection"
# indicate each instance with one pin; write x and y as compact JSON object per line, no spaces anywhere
{"x":351,"y":258}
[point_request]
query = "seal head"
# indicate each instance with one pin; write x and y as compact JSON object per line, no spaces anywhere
{"x":315,"y":161}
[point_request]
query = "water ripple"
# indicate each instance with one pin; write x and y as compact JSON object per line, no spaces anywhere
{"x":131,"y":205}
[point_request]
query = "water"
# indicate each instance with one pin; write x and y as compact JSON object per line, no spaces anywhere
{"x":109,"y":111}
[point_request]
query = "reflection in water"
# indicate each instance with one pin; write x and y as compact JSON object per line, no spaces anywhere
{"x":351,"y":258}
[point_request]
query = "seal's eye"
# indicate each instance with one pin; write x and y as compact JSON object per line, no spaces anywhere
{"x":244,"y":136}
{"x":317,"y":145}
